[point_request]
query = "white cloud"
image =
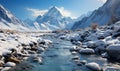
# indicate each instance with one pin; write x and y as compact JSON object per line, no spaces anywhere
{"x":102,"y":1}
{"x":36,"y":12}
{"x":64,"y":12}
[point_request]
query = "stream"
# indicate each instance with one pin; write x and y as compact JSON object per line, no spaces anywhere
{"x":59,"y":58}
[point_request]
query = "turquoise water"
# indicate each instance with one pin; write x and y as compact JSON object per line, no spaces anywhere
{"x":58,"y":58}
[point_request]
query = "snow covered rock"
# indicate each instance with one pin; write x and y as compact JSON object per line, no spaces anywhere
{"x":40,"y":49}
{"x":91,"y":44}
{"x":5,"y":68}
{"x":1,"y":63}
{"x":102,"y":34}
{"x":100,"y":49}
{"x":113,"y":68}
{"x":76,"y":58}
{"x":48,"y":41}
{"x":92,"y":37}
{"x":117,"y":34}
{"x":93,"y":66}
{"x":81,"y":62}
{"x":38,"y":59}
{"x":44,"y":41}
{"x":111,"y":41}
{"x":10,"y":64}
{"x":104,"y":55}
{"x":77,"y":43}
{"x":87,"y":51}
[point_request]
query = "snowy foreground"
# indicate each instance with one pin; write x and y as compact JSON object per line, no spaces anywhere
{"x":16,"y":48}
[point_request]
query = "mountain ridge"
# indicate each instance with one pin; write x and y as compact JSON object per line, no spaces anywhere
{"x":9,"y":21}
{"x":107,"y":14}
{"x":52,"y":20}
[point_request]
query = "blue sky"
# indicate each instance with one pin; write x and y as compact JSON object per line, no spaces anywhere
{"x":24,"y":9}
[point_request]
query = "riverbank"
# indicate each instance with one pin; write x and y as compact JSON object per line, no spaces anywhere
{"x":53,"y":51}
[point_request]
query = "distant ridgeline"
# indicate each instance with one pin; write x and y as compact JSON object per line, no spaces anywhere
{"x":109,"y":13}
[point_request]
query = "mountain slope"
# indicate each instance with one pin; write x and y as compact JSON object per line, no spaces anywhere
{"x":109,"y":13}
{"x":9,"y":21}
{"x":52,"y":20}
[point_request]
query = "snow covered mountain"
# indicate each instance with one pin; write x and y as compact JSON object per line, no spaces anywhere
{"x":109,"y":13}
{"x":52,"y":20}
{"x":9,"y":21}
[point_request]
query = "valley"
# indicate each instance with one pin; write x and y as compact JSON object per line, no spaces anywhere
{"x":55,"y":41}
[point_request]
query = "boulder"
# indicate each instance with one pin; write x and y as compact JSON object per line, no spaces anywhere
{"x":38,"y":59}
{"x":113,"y":68}
{"x":105,"y":55}
{"x":13,"y":59}
{"x":77,"y":43}
{"x":81,"y":62}
{"x":100,"y":49}
{"x":1,"y":63}
{"x":5,"y":68}
{"x":95,"y":44}
{"x":92,"y":37}
{"x":31,"y":52}
{"x":113,"y":52}
{"x":91,"y":44}
{"x":87,"y":51}
{"x":40,"y":49}
{"x":74,"y":52}
{"x":93,"y":66}
{"x":115,"y":35}
{"x":74,"y":49}
{"x":76,"y":58}
{"x":9,"y":64}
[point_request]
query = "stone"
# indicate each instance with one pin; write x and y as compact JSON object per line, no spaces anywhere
{"x":83,"y":62}
{"x":74,"y":52}
{"x":112,"y":68}
{"x":5,"y":68}
{"x":31,"y":52}
{"x":87,"y":51}
{"x":9,"y":64}
{"x":113,"y":52}
{"x":40,"y":49}
{"x":93,"y":66}
{"x":1,"y":63}
{"x":76,"y":58}
{"x":13,"y":59}
{"x":38,"y":59}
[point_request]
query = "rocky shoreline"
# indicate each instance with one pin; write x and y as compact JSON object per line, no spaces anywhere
{"x":28,"y":47}
{"x":103,"y":41}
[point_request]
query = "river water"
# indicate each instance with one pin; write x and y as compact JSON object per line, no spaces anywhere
{"x":59,"y":58}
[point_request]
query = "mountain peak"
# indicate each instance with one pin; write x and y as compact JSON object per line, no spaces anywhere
{"x":54,"y":8}
{"x":54,"y":12}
